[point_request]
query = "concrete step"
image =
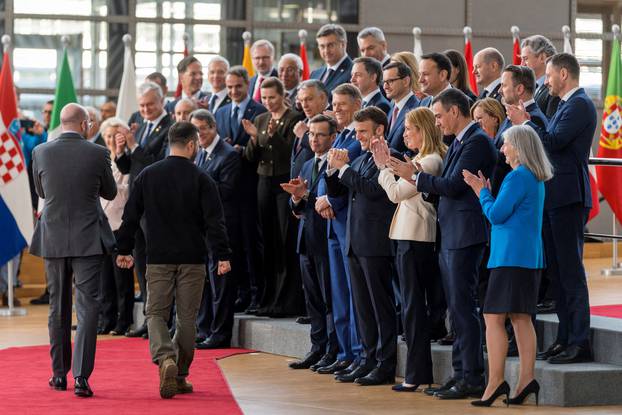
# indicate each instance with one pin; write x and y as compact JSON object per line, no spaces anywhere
{"x":562,"y":385}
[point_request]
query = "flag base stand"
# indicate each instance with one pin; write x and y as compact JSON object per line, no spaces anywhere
{"x":12,"y":312}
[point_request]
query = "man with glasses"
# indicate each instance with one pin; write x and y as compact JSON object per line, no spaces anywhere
{"x":262,"y":56}
{"x":331,"y":42}
{"x":396,"y":81}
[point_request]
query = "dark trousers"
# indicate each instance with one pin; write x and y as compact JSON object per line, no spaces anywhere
{"x":116,"y":295}
{"x":459,"y":269}
{"x":251,"y":282}
{"x":563,"y":245}
{"x":283,"y":286}
{"x":140,"y":264}
{"x":316,"y":282}
{"x":86,"y":273}
{"x":374,"y":304}
{"x":206,"y":310}
{"x":344,"y":315}
{"x":417,"y":268}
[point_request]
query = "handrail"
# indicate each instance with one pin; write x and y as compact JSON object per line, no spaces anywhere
{"x":601,"y":161}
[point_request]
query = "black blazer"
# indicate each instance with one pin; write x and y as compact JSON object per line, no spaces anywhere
{"x":379,"y":101}
{"x":154,"y":149}
{"x":369,"y":209}
{"x":548,"y":104}
{"x":341,"y":76}
{"x":493,"y":94}
{"x":170,"y":106}
{"x":312,"y":238}
{"x":301,"y":152}
{"x":222,"y":103}
{"x":460,"y":215}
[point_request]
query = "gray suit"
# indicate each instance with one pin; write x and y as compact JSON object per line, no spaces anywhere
{"x":72,"y":235}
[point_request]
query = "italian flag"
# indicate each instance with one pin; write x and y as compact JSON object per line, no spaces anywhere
{"x":65,"y":94}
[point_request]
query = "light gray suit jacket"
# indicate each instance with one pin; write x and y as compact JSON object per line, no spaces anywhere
{"x":70,"y":174}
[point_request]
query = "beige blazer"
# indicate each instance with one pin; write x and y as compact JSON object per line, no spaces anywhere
{"x":114,"y":208}
{"x":414,"y":218}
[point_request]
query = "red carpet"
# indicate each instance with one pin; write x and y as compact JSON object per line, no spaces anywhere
{"x":614,"y":311}
{"x":124,"y":382}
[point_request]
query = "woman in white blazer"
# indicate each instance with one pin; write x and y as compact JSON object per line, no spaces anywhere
{"x":414,"y":229}
{"x":117,"y":284}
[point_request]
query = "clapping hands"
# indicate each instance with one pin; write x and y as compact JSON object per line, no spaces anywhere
{"x":337,"y":158}
{"x":478,"y":182}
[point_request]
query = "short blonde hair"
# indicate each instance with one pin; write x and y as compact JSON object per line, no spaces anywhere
{"x":112,"y":122}
{"x":530,"y":151}
{"x":423,"y":119}
{"x":491,"y":107}
{"x":409,"y":58}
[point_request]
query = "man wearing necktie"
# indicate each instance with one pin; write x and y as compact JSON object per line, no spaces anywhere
{"x":290,"y":73}
{"x":567,"y":140}
{"x":370,"y":251}
{"x":366,"y":75}
{"x":216,"y":72}
{"x":397,"y":85}
{"x":223,"y":164}
{"x":137,"y":152}
{"x":312,"y":247}
{"x":262,"y":56}
{"x":487,"y":66}
{"x":535,"y":50}
{"x":331,"y":43}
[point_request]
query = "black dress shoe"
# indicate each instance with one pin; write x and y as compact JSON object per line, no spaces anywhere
{"x":447,"y":340}
{"x":546,"y":307}
{"x":572,"y":354}
{"x":119,"y":331}
{"x":58,"y":383}
{"x":400,"y":387}
{"x":337,"y":365}
{"x":348,"y":369}
{"x":138,"y":298}
{"x":252,"y":309}
{"x":376,"y":377}
{"x":138,"y":332}
{"x":309,"y":360}
{"x":438,"y":333}
{"x":103,"y":330}
{"x":240,"y":305}
{"x":326,"y":360}
{"x":303,"y":320}
{"x":431,"y":391}
{"x":82,"y":388}
{"x":43,"y":299}
{"x":553,"y":350}
{"x":213,"y":344}
{"x":461,"y":390}
{"x":200,"y":339}
{"x":359,"y":372}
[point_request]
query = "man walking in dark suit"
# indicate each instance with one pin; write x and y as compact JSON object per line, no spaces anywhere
{"x":370,"y":252}
{"x":137,"y":151}
{"x":313,"y":248}
{"x":567,"y":140}
{"x":229,"y":123}
{"x":487,"y":66}
{"x":397,"y":84}
{"x":366,"y":75}
{"x":182,"y":210}
{"x":71,"y":174}
{"x":535,"y":51}
{"x":331,"y":42}
{"x":223,"y":164}
{"x":464,"y":233}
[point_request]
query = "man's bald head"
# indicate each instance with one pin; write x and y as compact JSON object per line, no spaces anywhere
{"x":73,"y":117}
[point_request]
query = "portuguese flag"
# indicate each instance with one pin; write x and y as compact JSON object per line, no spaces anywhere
{"x":610,"y":144}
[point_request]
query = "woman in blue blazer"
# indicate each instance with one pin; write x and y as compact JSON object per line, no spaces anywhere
{"x":516,"y":258}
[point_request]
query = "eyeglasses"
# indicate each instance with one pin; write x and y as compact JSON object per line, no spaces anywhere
{"x":390,"y":81}
{"x":312,"y":135}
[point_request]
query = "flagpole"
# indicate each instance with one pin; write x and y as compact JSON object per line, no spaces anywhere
{"x":615,"y":266}
{"x":11,"y":310}
{"x":417,"y":49}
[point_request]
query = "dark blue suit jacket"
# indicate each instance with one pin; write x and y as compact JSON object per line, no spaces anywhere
{"x":300,"y":154}
{"x":170,"y":106}
{"x":253,"y":80}
{"x":312,"y":238}
{"x":395,"y":136}
{"x":460,"y":214}
{"x":567,"y":140}
{"x":341,"y":76}
{"x":502,"y":168}
{"x":379,"y":101}
{"x":223,"y":121}
{"x":369,"y":209}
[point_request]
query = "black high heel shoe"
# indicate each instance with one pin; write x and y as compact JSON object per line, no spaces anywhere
{"x":532,"y":387}
{"x":503,"y":389}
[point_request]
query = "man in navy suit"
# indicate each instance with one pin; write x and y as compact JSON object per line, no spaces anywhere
{"x":372,"y":44}
{"x":567,"y":140}
{"x":216,"y":73}
{"x":262,"y":56}
{"x":464,"y":233}
{"x":313,"y":98}
{"x":397,"y":81}
{"x":222,"y":163}
{"x":366,"y":76}
{"x":434,"y":73}
{"x":535,"y":51}
{"x":229,"y":124}
{"x":370,"y":251}
{"x":290,"y":73}
{"x":487,"y":66}
{"x":190,"y":74}
{"x":331,"y":42}
{"x":312,"y":246}
{"x":517,"y":85}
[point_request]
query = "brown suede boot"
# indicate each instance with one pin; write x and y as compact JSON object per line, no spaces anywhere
{"x":168,"y":376}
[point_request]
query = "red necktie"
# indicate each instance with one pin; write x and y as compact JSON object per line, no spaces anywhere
{"x":257,"y":96}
